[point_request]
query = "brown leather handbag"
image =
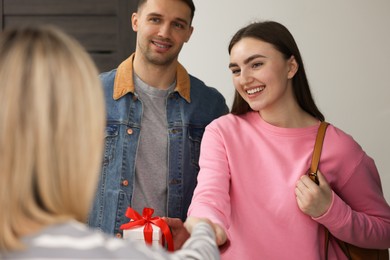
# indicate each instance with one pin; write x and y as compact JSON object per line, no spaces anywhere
{"x":352,"y":252}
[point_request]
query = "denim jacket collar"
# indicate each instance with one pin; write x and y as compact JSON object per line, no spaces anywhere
{"x":124,"y":82}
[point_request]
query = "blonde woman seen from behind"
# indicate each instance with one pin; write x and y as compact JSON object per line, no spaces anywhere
{"x":51,"y":139}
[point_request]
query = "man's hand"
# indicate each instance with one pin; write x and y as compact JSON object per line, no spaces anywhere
{"x":220,"y":233}
{"x":179,"y":232}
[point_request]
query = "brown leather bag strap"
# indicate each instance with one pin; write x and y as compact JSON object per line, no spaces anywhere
{"x":315,"y":160}
{"x":318,"y":147}
{"x":317,"y":152}
{"x":313,"y":175}
{"x":326,"y":243}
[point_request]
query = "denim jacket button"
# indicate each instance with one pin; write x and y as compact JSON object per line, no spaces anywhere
{"x":175,"y":131}
{"x":175,"y":181}
{"x":125,"y":182}
{"x":118,"y":235}
{"x":130,"y":131}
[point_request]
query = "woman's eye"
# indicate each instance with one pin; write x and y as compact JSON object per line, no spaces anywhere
{"x":256,"y":65}
{"x":235,"y":71}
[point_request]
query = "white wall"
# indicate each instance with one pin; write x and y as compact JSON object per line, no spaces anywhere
{"x":345,"y":46}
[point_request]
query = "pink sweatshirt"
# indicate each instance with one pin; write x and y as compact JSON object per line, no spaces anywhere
{"x":248,"y":172}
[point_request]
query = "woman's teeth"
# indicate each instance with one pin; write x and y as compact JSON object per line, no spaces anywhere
{"x":255,"y":90}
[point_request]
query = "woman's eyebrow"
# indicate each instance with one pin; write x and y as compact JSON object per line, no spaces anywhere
{"x":251,"y":58}
{"x":247,"y":60}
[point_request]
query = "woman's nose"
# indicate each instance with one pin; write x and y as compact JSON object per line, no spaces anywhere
{"x":245,"y":78}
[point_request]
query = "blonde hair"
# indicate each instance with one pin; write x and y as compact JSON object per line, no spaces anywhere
{"x":51,"y":130}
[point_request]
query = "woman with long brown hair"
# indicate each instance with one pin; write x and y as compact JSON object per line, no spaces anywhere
{"x":253,"y":164}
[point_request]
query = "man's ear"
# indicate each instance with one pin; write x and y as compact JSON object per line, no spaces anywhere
{"x":292,"y":67}
{"x":134,"y":22}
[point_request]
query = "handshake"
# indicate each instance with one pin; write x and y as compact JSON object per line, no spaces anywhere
{"x":182,"y":231}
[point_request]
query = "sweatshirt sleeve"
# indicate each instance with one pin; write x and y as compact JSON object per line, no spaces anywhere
{"x":211,"y":197}
{"x":359,"y":213}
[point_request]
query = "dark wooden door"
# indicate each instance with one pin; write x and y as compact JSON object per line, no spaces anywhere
{"x":103,"y":27}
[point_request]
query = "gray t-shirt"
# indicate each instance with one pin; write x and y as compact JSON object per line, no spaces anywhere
{"x":151,"y":167}
{"x":73,"y":240}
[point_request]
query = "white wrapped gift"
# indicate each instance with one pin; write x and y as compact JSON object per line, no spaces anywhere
{"x":137,"y":233}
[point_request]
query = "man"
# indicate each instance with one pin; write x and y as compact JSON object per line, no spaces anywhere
{"x":156,"y":116}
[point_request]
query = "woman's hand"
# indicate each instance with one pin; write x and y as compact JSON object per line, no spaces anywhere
{"x":314,"y":200}
{"x":220,"y":233}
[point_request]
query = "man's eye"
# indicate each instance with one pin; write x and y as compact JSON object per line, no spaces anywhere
{"x":154,"y":20}
{"x":179,"y":25}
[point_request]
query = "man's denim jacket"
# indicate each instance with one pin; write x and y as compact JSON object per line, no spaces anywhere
{"x":190,"y":108}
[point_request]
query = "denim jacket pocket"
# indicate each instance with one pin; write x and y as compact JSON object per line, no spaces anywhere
{"x":111,"y":135}
{"x":195,"y":137}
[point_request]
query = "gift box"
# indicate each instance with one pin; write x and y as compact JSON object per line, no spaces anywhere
{"x":153,"y":230}
{"x":137,"y":233}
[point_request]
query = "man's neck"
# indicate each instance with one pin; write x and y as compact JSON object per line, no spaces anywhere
{"x":160,"y":77}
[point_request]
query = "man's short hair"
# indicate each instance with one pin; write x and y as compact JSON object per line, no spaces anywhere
{"x":189,"y":3}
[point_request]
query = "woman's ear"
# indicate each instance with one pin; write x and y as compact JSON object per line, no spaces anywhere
{"x":292,"y":67}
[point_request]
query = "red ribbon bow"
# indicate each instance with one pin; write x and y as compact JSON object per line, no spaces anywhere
{"x":147,"y":220}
